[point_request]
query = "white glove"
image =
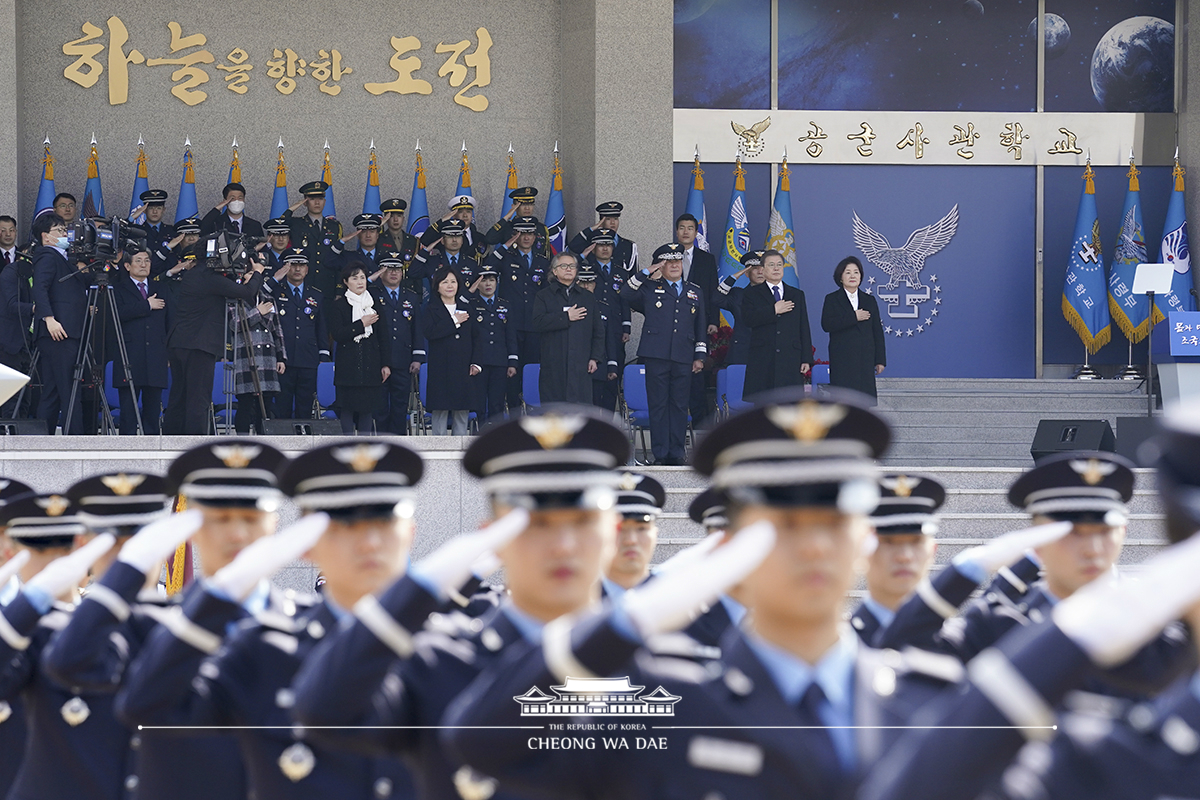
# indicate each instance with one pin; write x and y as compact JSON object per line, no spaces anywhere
{"x":669,"y":602}
{"x":267,"y":556}
{"x":484,"y":566}
{"x":690,"y":554}
{"x":65,"y":573}
{"x":13,"y":566}
{"x":1009,"y":548}
{"x":448,"y":567}
{"x":1112,"y":618}
{"x":153,"y":543}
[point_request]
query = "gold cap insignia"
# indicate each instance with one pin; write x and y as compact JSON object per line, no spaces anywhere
{"x":629,"y":482}
{"x":236,"y":456}
{"x":122,"y":485}
{"x":75,"y":711}
{"x":1093,"y":471}
{"x":54,"y":505}
{"x":808,"y":421}
{"x":297,"y":762}
{"x":474,"y":785}
{"x":361,"y":457}
{"x":901,"y":485}
{"x":552,"y":431}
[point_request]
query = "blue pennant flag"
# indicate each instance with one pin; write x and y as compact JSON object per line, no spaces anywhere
{"x":737,"y":233}
{"x":1083,"y":301}
{"x":1175,"y":251}
{"x":327,"y":176}
{"x":187,"y":187}
{"x":279,"y":199}
{"x":1131,"y":311}
{"x":556,"y":215}
{"x":695,"y":204}
{"x":141,"y":183}
{"x":371,"y":196}
{"x":780,"y":234}
{"x":418,"y":206}
{"x":93,"y":193}
{"x":46,"y":193}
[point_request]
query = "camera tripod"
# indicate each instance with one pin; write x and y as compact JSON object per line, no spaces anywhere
{"x":100,"y":304}
{"x":235,"y":311}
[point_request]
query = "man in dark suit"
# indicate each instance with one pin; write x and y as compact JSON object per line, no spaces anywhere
{"x":700,"y":268}
{"x":306,"y":341}
{"x":399,"y":320}
{"x":230,"y":215}
{"x":61,"y":306}
{"x":16,"y":321}
{"x":197,"y":338}
{"x":572,"y":335}
{"x":143,"y":318}
{"x":780,"y":339}
{"x":673,"y":347}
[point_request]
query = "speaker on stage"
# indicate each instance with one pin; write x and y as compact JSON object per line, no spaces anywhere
{"x":1132,"y":433}
{"x":1063,"y":435}
{"x":22,"y":427}
{"x":302,"y":427}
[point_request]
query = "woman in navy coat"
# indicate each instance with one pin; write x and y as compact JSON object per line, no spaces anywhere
{"x":856,"y":343}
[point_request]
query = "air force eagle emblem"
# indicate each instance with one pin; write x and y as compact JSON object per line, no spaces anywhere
{"x":751,"y":142}
{"x":905,"y":263}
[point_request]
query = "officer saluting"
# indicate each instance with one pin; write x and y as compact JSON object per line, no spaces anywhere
{"x":366,"y":230}
{"x":495,"y":350}
{"x":523,"y":273}
{"x":319,"y":237}
{"x":462,"y":209}
{"x":157,"y":230}
{"x":523,"y":206}
{"x":305,"y":338}
{"x":394,"y":238}
{"x":453,"y":252}
{"x":399,"y":318}
{"x":624,"y":250}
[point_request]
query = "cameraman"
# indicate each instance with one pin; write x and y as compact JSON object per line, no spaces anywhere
{"x":196,"y":337}
{"x":60,"y":306}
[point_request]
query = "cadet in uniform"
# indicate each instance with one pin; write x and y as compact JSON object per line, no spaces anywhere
{"x":305,"y":338}
{"x":319,"y":237}
{"x":624,"y":251}
{"x":369,"y":251}
{"x":673,"y":347}
{"x":462,"y":209}
{"x":359,"y":501}
{"x":605,"y":378}
{"x":394,"y":238}
{"x":381,"y":672}
{"x":761,"y":721}
{"x":278,"y":234}
{"x":154,"y":204}
{"x":523,"y":202}
{"x":165,"y":259}
{"x":729,"y":298}
{"x":571,"y":334}
{"x":523,"y":273}
{"x":495,"y":353}
{"x":453,"y":254}
{"x":399,"y":319}
{"x":708,"y":510}
{"x":640,"y":499}
{"x":12,"y":715}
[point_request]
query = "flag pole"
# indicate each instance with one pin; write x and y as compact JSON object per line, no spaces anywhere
{"x":1087,"y":372}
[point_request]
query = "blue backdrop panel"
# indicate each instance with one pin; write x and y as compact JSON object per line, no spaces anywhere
{"x":722,"y":54}
{"x":1063,"y":184}
{"x":718,"y":184}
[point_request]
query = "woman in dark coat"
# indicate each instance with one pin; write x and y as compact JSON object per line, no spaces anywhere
{"x":361,"y":362}
{"x":856,"y":343}
{"x":449,"y":330}
{"x":572,"y":335}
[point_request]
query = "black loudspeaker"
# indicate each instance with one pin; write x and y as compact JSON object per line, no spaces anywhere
{"x":22,"y":427}
{"x":1064,"y":435}
{"x":1132,"y":432}
{"x":302,"y":427}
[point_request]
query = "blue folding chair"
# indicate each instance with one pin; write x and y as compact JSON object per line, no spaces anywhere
{"x":326,"y":391}
{"x":636,"y":405}
{"x":722,"y":390}
{"x":110,"y":392}
{"x":735,"y":386}
{"x":531,"y":396}
{"x":820,"y":375}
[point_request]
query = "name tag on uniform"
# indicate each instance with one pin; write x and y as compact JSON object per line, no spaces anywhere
{"x":660,"y":291}
{"x":725,"y":755}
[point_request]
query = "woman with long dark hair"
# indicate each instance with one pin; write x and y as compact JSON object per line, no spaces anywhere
{"x":449,"y":330}
{"x":361,"y":363}
{"x":851,"y":318}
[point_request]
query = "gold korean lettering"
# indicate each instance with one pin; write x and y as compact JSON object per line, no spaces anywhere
{"x":1011,"y":138}
{"x":966,"y":138}
{"x":286,"y":66}
{"x":1067,"y":145}
{"x":85,"y":69}
{"x":329,"y":69}
{"x":866,"y":136}
{"x":479,"y":60}
{"x":915,"y":138}
{"x":238,"y":70}
{"x":404,"y":83}
{"x":190,"y":75}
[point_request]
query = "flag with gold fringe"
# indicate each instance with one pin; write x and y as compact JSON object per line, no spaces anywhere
{"x":736,"y":234}
{"x":511,"y":186}
{"x":1083,"y":301}
{"x":464,"y":174}
{"x":695,"y":203}
{"x":93,"y":193}
{"x":371,"y":196}
{"x":780,"y":235}
{"x":45,"y":195}
{"x":279,"y":200}
{"x":235,"y":165}
{"x":1175,"y":251}
{"x":186,"y":206}
{"x":418,"y":205}
{"x":1130,"y":311}
{"x":179,"y":566}
{"x":327,"y":176}
{"x":556,"y":214}
{"x":141,"y":183}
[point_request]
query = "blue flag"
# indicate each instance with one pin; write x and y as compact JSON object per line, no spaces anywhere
{"x":327,"y":176}
{"x":371,"y":196}
{"x":556,"y":214}
{"x":45,"y":195}
{"x":511,"y":185}
{"x":737,"y":233}
{"x":695,"y":204}
{"x":187,"y":187}
{"x":780,"y":235}
{"x":464,"y":175}
{"x":93,"y":193}
{"x":141,"y":183}
{"x":418,"y":206}
{"x":1083,"y":301}
{"x":1175,"y":251}
{"x":279,"y":199}
{"x":1131,"y":311}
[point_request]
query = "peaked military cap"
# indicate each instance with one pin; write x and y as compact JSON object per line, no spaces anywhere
{"x":48,"y":520}
{"x":708,"y":508}
{"x":1080,"y":486}
{"x":488,"y":271}
{"x":154,"y":197}
{"x":610,"y":209}
{"x":753,"y":258}
{"x":559,"y":455}
{"x":368,"y":222}
{"x":796,"y":450}
{"x":640,"y":497}
{"x":358,"y":479}
{"x":668,"y":252}
{"x":294,"y":255}
{"x":314,"y":189}
{"x":452,"y":227}
{"x":393,"y":261}
{"x":394,"y":205}
{"x":601,"y":236}
{"x":907,"y":504}
{"x":189,"y":225}
{"x":237,"y":472}
{"x":525,"y":224}
{"x":10,"y":490}
{"x":586,"y":273}
{"x":461,"y":201}
{"x":525,"y":194}
{"x":120,"y":499}
{"x":1176,"y":454}
{"x":278,"y":225}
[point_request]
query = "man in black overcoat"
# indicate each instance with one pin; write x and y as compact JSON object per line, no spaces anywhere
{"x":780,"y":339}
{"x":143,"y":316}
{"x":572,"y":335}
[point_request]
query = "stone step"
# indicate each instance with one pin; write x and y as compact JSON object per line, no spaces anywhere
{"x":945,"y":449}
{"x":1010,"y":417}
{"x":1057,"y":403}
{"x":1030,"y":385}
{"x":979,"y":432}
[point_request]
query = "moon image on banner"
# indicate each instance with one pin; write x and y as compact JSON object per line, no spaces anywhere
{"x":1058,"y":35}
{"x":688,"y":10}
{"x":1133,"y":66}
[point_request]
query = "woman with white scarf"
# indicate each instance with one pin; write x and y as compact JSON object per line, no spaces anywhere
{"x":363,"y":358}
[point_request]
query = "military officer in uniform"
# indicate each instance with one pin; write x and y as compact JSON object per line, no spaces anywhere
{"x":624,"y":251}
{"x":673,"y":347}
{"x":600,"y":254}
{"x":462,"y":209}
{"x":523,"y":273}
{"x":394,"y":238}
{"x":12,"y":715}
{"x":495,"y":352}
{"x":523,"y":206}
{"x":729,"y":298}
{"x":369,"y":251}
{"x":640,"y":501}
{"x":453,"y":253}
{"x":278,"y":235}
{"x":305,"y":337}
{"x":399,"y":319}
{"x":709,"y":509}
{"x":605,"y":378}
{"x":154,"y":204}
{"x":319,"y":237}
{"x":165,"y":260}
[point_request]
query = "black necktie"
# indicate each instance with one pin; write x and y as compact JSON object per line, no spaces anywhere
{"x":454,"y":261}
{"x":7,"y":259}
{"x":296,"y":293}
{"x":529,"y":260}
{"x":395,"y":297}
{"x":778,"y":293}
{"x":821,"y":742}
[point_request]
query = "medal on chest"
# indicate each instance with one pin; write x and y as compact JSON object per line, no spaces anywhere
{"x":297,"y":762}
{"x":75,"y":711}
